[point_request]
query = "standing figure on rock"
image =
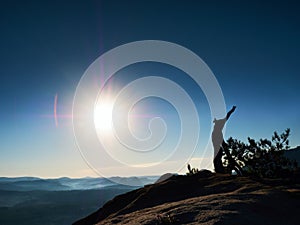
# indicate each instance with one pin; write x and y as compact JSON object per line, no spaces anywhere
{"x":220,"y":145}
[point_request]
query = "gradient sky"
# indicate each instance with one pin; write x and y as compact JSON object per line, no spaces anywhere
{"x":252,"y":48}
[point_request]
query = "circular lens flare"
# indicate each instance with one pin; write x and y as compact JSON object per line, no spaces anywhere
{"x":114,"y":149}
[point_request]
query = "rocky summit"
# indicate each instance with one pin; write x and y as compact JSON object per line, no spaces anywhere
{"x":205,"y":198}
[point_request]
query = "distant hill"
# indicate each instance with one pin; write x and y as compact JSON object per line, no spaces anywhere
{"x":31,"y":185}
{"x":293,"y":154}
{"x":61,"y":201}
{"x":205,"y":198}
{"x":68,"y":184}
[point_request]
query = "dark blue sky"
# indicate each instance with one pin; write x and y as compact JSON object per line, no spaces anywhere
{"x":45,"y":46}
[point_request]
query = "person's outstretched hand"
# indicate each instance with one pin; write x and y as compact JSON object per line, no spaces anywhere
{"x":233,"y":107}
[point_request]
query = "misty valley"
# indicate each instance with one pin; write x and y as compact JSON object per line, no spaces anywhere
{"x":33,"y":201}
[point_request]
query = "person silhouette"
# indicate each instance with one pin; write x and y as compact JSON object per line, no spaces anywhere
{"x":219,"y":145}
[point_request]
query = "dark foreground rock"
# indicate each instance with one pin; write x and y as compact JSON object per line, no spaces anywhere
{"x":205,"y":198}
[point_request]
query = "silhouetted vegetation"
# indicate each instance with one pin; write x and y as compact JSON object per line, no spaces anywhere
{"x":191,"y":170}
{"x":263,"y":158}
{"x":162,"y":220}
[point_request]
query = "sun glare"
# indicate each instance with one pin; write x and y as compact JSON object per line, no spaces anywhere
{"x":103,"y":116}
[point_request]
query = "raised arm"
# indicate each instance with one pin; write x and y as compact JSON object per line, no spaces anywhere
{"x":230,"y":112}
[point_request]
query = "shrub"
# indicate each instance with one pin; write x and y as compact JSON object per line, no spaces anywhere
{"x":191,"y":171}
{"x":263,"y":158}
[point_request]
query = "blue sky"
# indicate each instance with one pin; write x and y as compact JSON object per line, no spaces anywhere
{"x":252,"y":48}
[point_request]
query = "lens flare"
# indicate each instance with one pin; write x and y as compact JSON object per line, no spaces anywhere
{"x":103,"y":116}
{"x":55,"y":111}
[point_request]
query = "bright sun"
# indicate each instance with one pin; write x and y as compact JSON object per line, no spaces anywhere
{"x":103,"y":116}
